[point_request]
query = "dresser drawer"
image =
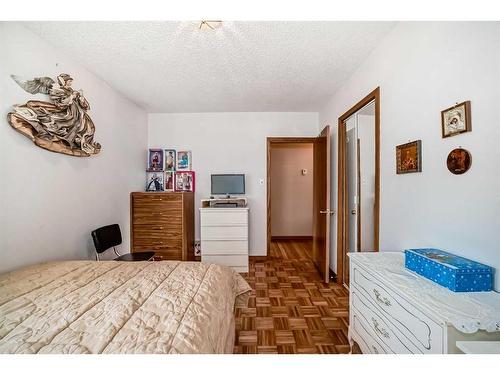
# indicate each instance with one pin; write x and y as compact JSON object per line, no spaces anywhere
{"x":363,"y":336}
{"x":379,"y":327}
{"x":163,"y":253}
{"x":156,"y":217}
{"x":155,"y":200}
{"x":226,"y":260}
{"x":224,"y":233}
{"x":170,"y":208}
{"x":224,"y":218}
{"x":158,"y":231}
{"x":422,"y":331}
{"x":224,"y":247}
{"x":148,"y":243}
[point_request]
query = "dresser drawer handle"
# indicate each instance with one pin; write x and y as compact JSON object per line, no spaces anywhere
{"x":381,"y":300}
{"x":381,"y":331}
{"x":375,"y":350}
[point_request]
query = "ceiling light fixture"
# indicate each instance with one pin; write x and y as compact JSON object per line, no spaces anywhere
{"x":210,"y":24}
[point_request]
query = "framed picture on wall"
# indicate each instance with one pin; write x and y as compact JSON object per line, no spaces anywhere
{"x":169,"y":181}
{"x":155,"y":160}
{"x":456,"y":120}
{"x":170,"y":160}
{"x":154,"y":181}
{"x":183,"y":160}
{"x":184,"y":181}
{"x":409,"y":157}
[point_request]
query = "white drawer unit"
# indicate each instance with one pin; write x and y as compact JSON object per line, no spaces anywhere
{"x":224,"y":237}
{"x":393,"y":310}
{"x":224,"y":233}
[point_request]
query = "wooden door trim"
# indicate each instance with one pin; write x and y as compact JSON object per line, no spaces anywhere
{"x":270,"y":142}
{"x":342,"y":208}
{"x":326,"y":133}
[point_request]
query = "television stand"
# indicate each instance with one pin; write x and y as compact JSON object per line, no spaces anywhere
{"x":224,"y":202}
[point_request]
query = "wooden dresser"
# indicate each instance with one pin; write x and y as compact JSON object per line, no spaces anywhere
{"x":163,"y":223}
{"x":393,"y":310}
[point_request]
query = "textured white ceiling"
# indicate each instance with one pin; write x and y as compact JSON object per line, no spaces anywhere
{"x":243,"y":66}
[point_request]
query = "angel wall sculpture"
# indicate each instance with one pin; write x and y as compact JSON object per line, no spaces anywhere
{"x":61,"y":126}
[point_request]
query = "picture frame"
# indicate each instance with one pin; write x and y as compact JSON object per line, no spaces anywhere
{"x":459,"y":161}
{"x":170,"y":160}
{"x":409,"y":157}
{"x":184,"y":181}
{"x":456,"y":120}
{"x":169,"y":181}
{"x":183,"y":160}
{"x":154,"y":181}
{"x":155,"y":160}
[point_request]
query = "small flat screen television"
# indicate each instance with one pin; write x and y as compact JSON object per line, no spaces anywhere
{"x":226,"y":184}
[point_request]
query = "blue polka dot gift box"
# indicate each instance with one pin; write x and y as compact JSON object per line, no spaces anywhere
{"x":451,"y":271}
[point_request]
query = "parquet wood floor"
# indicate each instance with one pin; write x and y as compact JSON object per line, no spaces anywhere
{"x":290,"y":309}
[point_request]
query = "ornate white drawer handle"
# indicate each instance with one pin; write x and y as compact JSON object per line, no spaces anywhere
{"x":381,"y":300}
{"x":382,"y":331}
{"x":375,"y":349}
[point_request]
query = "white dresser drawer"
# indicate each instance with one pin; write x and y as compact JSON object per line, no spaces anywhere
{"x":422,"y":331}
{"x":224,"y":233}
{"x":224,"y":247}
{"x":224,"y":217}
{"x":363,"y":336}
{"x":379,"y":327}
{"x":226,"y":260}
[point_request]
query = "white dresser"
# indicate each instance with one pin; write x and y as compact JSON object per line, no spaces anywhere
{"x":393,"y":310}
{"x":224,"y":237}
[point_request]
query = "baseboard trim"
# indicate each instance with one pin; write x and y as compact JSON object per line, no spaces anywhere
{"x":258,"y":258}
{"x":291,"y":238}
{"x":333,"y":276}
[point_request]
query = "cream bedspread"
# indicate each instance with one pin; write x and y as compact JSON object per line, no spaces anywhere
{"x":120,"y":307}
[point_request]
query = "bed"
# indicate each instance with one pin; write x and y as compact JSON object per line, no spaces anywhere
{"x":120,"y":307}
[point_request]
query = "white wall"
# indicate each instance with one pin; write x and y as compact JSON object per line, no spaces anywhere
{"x":291,"y":191}
{"x":423,"y":68}
{"x":230,"y":143}
{"x":50,"y":202}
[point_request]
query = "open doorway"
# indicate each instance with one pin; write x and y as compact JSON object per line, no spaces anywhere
{"x":359,"y":182}
{"x":290,"y":197}
{"x":307,"y":210}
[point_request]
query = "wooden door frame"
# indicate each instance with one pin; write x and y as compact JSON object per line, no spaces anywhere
{"x":342,"y":209}
{"x":270,"y":142}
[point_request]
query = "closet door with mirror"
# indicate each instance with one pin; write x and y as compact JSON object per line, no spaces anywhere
{"x":360,"y":198}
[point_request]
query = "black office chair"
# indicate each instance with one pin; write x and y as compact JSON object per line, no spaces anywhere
{"x":111,"y":236}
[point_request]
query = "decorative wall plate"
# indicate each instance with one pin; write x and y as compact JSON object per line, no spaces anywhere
{"x":459,"y":161}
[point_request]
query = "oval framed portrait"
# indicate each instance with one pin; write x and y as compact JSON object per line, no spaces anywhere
{"x":459,"y":161}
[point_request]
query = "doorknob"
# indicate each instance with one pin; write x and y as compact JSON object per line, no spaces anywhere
{"x":327,"y":211}
{"x":353,"y":212}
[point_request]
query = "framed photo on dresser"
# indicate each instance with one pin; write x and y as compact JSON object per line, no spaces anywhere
{"x":184,"y":181}
{"x":154,"y":181}
{"x":170,"y":160}
{"x":183,"y":160}
{"x":169,"y":181}
{"x":155,"y":160}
